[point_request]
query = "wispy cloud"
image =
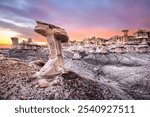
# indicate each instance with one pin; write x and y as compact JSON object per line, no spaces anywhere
{"x":79,"y":17}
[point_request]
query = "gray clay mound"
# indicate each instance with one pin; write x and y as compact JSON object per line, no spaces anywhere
{"x":17,"y":82}
{"x":95,"y":76}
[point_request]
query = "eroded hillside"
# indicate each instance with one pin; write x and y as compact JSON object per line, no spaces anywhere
{"x":95,"y":76}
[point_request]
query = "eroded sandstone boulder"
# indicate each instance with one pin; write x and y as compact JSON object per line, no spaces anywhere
{"x":55,"y":36}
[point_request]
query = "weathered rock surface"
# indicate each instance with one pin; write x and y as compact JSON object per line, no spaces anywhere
{"x":129,"y":72}
{"x":17,"y":82}
{"x":55,"y":36}
{"x":37,"y":64}
{"x":28,"y":55}
{"x":95,"y":76}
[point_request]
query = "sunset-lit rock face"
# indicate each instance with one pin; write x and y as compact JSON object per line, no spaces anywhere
{"x":49,"y":29}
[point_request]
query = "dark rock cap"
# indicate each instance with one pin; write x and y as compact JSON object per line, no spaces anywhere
{"x":59,"y":33}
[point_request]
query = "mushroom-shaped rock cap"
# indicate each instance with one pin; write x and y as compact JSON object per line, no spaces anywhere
{"x":47,"y":29}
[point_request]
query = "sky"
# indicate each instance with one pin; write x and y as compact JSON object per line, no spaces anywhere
{"x":80,"y":18}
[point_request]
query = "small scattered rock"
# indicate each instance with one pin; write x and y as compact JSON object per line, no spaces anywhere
{"x":76,"y":56}
{"x":1,"y":56}
{"x":23,"y":98}
{"x":43,"y":83}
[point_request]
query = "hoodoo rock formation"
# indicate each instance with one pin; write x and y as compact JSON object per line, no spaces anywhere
{"x":14,"y":42}
{"x":55,"y":36}
{"x":25,"y":44}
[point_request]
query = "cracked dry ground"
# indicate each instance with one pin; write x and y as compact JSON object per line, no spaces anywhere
{"x":95,"y":76}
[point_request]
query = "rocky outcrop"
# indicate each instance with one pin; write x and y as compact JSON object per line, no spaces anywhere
{"x":55,"y":36}
{"x":115,"y":59}
{"x":15,"y":42}
{"x":25,"y":45}
{"x":28,"y":55}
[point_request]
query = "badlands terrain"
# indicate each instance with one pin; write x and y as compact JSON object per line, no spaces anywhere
{"x":95,"y":76}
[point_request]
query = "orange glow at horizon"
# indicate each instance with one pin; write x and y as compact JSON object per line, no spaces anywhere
{"x":5,"y":36}
{"x":85,"y":33}
{"x":78,"y":34}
